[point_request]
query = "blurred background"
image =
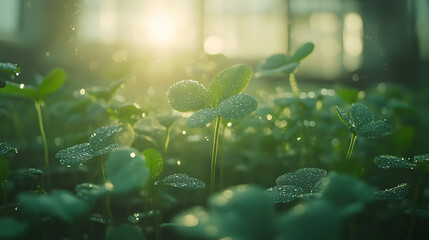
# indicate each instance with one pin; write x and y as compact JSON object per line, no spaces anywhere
{"x":356,"y":40}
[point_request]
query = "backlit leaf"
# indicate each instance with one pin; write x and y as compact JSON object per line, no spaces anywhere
{"x":5,"y":148}
{"x":9,"y":68}
{"x":273,"y":62}
{"x":188,"y":96}
{"x":344,"y":118}
{"x":19,"y":90}
{"x":302,"y":52}
{"x":375,"y":129}
{"x":361,"y":115}
{"x":100,"y":137}
{"x":154,"y":161}
{"x":52,"y":82}
{"x":237,"y":106}
{"x":229,"y":82}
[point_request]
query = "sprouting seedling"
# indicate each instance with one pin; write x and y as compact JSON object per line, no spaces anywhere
{"x":222,"y":99}
{"x":49,"y":84}
{"x":9,"y":68}
{"x":362,"y":123}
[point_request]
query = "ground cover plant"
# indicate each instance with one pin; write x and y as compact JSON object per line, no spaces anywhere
{"x":278,"y":164}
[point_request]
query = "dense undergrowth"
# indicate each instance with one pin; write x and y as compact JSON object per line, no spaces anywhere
{"x":328,"y":163}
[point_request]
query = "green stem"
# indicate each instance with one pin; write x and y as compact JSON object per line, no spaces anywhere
{"x":106,"y":199}
{"x":157,"y":212}
{"x":352,"y":144}
{"x":214,"y":155}
{"x":221,"y":157}
{"x":45,"y":145}
{"x":167,"y":140}
{"x":4,"y":192}
{"x":413,"y":207}
{"x":145,"y":214}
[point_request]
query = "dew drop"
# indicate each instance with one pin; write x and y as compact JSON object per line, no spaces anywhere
{"x":183,"y":132}
{"x":132,"y":155}
{"x":82,"y":91}
{"x":179,"y":163}
{"x":21,"y":86}
{"x":229,"y":124}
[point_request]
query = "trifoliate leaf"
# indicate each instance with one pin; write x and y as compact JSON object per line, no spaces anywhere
{"x":183,"y":181}
{"x":202,"y":117}
{"x":304,"y":178}
{"x":284,"y":193}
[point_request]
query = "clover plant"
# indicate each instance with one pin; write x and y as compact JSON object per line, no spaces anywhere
{"x":222,"y":99}
{"x":362,"y":123}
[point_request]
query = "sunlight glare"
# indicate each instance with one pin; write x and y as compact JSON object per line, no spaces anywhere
{"x":161,"y":28}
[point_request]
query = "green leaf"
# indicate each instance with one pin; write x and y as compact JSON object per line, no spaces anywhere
{"x":10,"y":68}
{"x":34,"y":172}
{"x":6,"y":148}
{"x":202,"y":117}
{"x":4,"y":169}
{"x":188,"y":96}
{"x":302,"y":52}
{"x":125,"y":170}
{"x":52,"y":82}
{"x":344,"y":118}
{"x":375,"y":129}
{"x":387,"y":161}
{"x":60,"y":204}
{"x":229,"y":82}
{"x":422,"y":162}
{"x":183,"y":181}
{"x":154,"y":161}
{"x":75,"y":155}
{"x":316,"y":220}
{"x":237,"y":106}
{"x":361,"y":115}
{"x":89,"y":191}
{"x":393,"y":194}
{"x":273,"y":62}
{"x":346,"y":192}
{"x":284,"y":193}
{"x":124,"y":231}
{"x":168,"y":119}
{"x":130,"y":113}
{"x":281,"y":71}
{"x":304,"y":178}
{"x":100,"y":138}
{"x":11,"y":228}
{"x":288,"y":68}
{"x":106,"y":93}
{"x":19,"y":90}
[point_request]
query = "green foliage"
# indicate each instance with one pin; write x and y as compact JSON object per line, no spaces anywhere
{"x":284,"y":193}
{"x":9,"y":68}
{"x":50,"y":84}
{"x":282,"y":65}
{"x":99,"y":143}
{"x":126,"y":170}
{"x":361,"y":122}
{"x":396,"y":193}
{"x":6,"y":148}
{"x":188,"y":95}
{"x":183,"y":181}
{"x":387,"y":161}
{"x":229,"y":82}
{"x":130,"y":113}
{"x":59,"y":204}
{"x":305,"y":178}
{"x":154,"y":161}
{"x":106,"y":93}
{"x":11,"y":228}
{"x":124,"y":231}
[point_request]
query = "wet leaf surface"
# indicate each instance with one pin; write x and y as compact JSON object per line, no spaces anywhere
{"x":154,"y":161}
{"x":188,"y":96}
{"x":284,"y":193}
{"x":396,"y":193}
{"x":387,"y":161}
{"x":237,"y":106}
{"x":6,"y":148}
{"x":100,"y":137}
{"x":140,"y":216}
{"x":183,"y":181}
{"x":75,"y":155}
{"x":304,"y":178}
{"x":202,"y":117}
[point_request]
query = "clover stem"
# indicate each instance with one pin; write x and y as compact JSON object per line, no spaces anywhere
{"x":106,"y":199}
{"x":221,"y":157}
{"x":4,"y":192}
{"x":45,"y":145}
{"x":413,"y":206}
{"x":157,"y":212}
{"x":167,"y":139}
{"x":214,"y":155}
{"x":352,"y":144}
